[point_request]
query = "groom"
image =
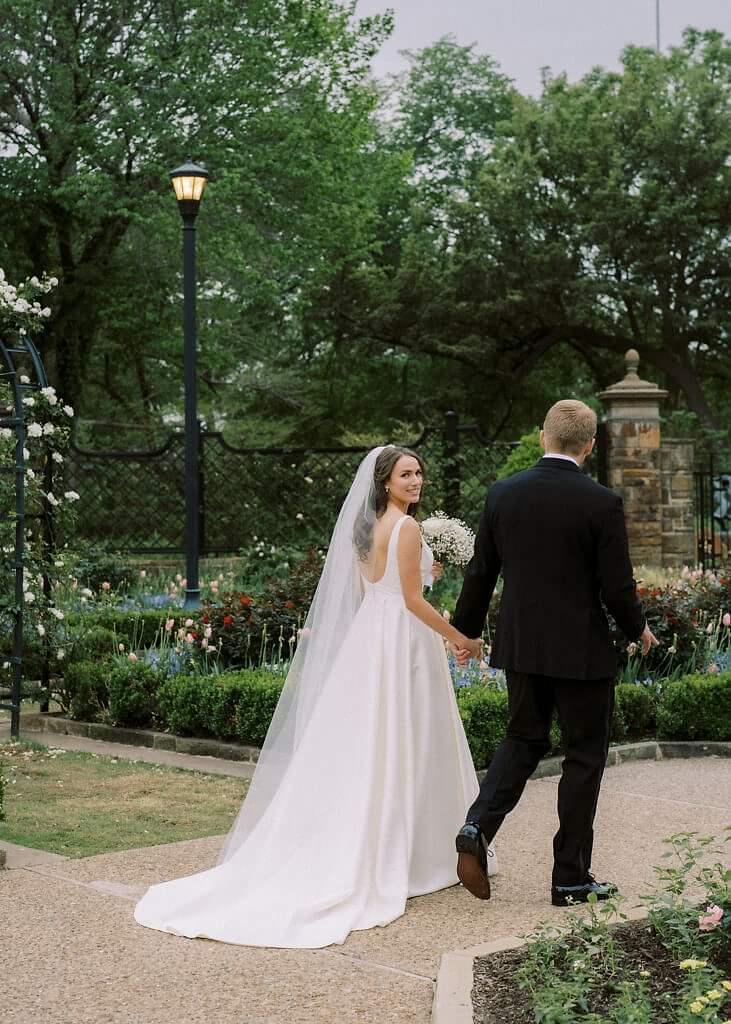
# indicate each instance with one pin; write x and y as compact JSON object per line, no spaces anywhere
{"x":560,"y":542}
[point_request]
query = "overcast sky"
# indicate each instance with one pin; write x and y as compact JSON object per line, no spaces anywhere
{"x":525,"y":35}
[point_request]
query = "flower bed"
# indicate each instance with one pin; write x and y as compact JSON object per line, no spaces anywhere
{"x":673,"y":968}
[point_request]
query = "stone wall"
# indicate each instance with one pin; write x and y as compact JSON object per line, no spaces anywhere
{"x":634,"y":473}
{"x":654,"y":477}
{"x":678,"y":502}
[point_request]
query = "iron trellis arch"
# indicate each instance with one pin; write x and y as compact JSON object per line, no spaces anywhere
{"x":12,"y":416}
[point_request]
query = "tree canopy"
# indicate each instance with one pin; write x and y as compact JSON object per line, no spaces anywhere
{"x":371,"y":254}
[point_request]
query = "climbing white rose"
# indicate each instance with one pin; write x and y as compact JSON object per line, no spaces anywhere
{"x":35,"y":430}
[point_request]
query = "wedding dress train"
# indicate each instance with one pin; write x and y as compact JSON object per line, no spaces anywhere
{"x":366,"y":813}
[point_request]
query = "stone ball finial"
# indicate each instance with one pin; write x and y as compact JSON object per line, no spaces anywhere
{"x":632,"y":361}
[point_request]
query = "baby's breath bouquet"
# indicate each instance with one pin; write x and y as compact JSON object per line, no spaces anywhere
{"x":451,"y":540}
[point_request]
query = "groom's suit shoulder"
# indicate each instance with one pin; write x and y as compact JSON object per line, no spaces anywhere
{"x":559,"y":478}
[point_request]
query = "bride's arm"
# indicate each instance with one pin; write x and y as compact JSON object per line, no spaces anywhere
{"x":409,"y":564}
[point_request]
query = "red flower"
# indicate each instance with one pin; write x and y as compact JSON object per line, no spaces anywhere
{"x":289,"y":604}
{"x":194,"y":634}
{"x":245,"y":600}
{"x":205,"y":619}
{"x":227,"y":620}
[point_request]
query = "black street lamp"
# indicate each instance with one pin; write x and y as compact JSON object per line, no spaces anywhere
{"x":189,"y":182}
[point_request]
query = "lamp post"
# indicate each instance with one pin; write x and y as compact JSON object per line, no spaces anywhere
{"x":189,"y":182}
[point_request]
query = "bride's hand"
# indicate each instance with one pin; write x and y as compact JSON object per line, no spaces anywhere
{"x":437,"y":570}
{"x":467,"y":649}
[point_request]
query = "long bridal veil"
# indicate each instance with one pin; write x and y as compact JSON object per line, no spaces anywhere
{"x":335,"y":604}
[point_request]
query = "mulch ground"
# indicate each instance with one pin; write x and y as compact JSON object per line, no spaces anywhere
{"x":496,"y":996}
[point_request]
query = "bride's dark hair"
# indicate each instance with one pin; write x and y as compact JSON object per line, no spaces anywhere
{"x":363,"y":531}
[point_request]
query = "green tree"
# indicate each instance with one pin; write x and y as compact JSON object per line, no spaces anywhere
{"x":602,"y":221}
{"x":98,"y":100}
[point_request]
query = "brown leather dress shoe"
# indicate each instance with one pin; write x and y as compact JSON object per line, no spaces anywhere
{"x":472,"y":861}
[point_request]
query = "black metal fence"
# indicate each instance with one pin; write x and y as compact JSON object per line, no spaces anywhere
{"x":134,"y":501}
{"x":713,"y":514}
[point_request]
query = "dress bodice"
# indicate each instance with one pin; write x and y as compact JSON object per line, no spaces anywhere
{"x":390,"y":582}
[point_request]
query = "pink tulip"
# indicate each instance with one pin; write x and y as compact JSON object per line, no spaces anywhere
{"x":713,"y":668}
{"x":727,"y":619}
{"x":169,"y":625}
{"x":132,"y":656}
{"x":106,"y":585}
{"x":709,"y":921}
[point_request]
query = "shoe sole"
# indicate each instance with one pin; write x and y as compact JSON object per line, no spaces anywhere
{"x":472,"y":877}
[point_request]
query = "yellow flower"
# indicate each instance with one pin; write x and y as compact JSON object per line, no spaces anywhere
{"x":696,"y":1007}
{"x":714,"y":994}
{"x":726,"y":985}
{"x":644,"y":974}
{"x":693,"y":965}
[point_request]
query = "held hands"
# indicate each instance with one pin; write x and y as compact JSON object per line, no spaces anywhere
{"x":467,"y":649}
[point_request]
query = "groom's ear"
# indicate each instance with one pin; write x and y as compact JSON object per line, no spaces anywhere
{"x":542,"y":438}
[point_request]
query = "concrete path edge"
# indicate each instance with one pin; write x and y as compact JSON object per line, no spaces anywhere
{"x":455,"y":979}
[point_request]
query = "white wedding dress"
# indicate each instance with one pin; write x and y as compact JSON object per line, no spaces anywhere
{"x":366,"y":813}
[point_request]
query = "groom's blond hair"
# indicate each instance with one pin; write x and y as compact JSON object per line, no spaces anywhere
{"x":568,"y":427}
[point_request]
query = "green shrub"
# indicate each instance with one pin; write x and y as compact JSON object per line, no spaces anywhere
{"x":523,"y":456}
{"x":95,"y":643}
{"x":132,"y":688}
{"x":86,"y":689}
{"x":232,"y":706}
{"x":186,"y":704}
{"x":485,"y":717}
{"x":637,"y":706}
{"x":696,"y":707}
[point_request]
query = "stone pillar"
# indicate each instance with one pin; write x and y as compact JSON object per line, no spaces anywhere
{"x":634,"y":459}
{"x":678,"y":502}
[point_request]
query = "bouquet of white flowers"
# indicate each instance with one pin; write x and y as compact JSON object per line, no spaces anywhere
{"x":451,"y":540}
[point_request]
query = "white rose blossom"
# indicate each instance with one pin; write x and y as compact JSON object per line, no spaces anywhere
{"x":57,"y":457}
{"x":29,"y":597}
{"x":35,"y":430}
{"x":68,"y":410}
{"x":71,"y":495}
{"x":48,"y":428}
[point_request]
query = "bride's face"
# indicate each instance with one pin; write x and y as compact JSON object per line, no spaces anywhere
{"x":406,"y":480}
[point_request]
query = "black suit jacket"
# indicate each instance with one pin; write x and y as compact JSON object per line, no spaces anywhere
{"x":560,"y":541}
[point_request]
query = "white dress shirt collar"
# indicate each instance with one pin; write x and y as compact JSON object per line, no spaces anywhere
{"x":556,"y":455}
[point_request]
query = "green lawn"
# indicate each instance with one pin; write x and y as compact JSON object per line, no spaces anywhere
{"x":79,"y":804}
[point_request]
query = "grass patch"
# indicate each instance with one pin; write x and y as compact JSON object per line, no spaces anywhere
{"x":80,"y":804}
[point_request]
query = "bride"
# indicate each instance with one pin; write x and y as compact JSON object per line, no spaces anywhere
{"x":365,"y":774}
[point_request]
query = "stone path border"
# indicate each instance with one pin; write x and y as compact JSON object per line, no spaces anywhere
{"x":210,"y":749}
{"x":455,"y":980}
{"x":52,"y":723}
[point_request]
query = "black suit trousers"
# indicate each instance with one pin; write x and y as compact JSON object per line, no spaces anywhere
{"x":584,"y":709}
